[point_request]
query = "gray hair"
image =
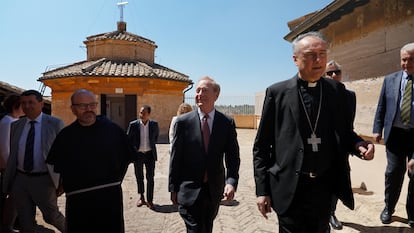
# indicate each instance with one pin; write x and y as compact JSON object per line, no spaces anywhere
{"x":408,"y":47}
{"x":307,"y":34}
{"x":216,"y":86}
{"x":333,"y":63}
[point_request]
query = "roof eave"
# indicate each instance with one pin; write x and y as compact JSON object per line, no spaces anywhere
{"x":305,"y":25}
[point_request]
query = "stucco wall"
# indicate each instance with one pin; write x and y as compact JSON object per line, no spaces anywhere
{"x":164,"y":96}
{"x":245,"y":121}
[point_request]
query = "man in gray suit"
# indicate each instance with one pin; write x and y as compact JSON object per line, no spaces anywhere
{"x":27,"y":177}
{"x":202,"y":140}
{"x":398,"y":134}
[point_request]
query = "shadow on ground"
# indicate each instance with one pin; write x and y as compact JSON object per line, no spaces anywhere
{"x":383,"y":228}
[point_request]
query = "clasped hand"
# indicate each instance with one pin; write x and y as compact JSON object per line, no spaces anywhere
{"x":366,"y":149}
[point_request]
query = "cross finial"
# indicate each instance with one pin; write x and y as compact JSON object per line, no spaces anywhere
{"x":121,"y":8}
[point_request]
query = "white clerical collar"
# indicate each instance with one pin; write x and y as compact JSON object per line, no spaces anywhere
{"x":309,"y":84}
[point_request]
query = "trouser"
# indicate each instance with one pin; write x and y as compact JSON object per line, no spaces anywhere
{"x":400,"y":149}
{"x":199,"y":217}
{"x":8,"y":211}
{"x":310,"y":208}
{"x":149,"y":162}
{"x":334,"y":202}
{"x":2,"y":199}
{"x":31,"y":191}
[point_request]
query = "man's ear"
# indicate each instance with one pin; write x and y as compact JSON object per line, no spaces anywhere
{"x":295,"y":59}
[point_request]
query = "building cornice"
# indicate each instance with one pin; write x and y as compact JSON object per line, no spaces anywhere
{"x":320,"y":19}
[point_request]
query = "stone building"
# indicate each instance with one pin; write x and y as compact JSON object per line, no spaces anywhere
{"x":121,"y":71}
{"x":365,"y":35}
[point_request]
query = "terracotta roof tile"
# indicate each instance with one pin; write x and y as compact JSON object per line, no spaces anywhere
{"x":112,"y":68}
{"x":119,"y":35}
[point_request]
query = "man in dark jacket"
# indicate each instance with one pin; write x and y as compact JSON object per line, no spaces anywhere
{"x":205,"y":160}
{"x":298,"y":153}
{"x":143,"y":133}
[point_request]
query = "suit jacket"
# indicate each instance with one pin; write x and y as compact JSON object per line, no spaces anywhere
{"x":134,"y":135}
{"x":388,"y":104}
{"x":189,"y":160}
{"x":278,"y":149}
{"x":51,"y":126}
{"x":351,"y":99}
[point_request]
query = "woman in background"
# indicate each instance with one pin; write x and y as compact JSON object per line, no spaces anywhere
{"x":183,"y":108}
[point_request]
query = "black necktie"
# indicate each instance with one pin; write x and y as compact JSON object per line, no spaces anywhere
{"x":28,"y":155}
{"x":406,"y":101}
{"x":206,"y":132}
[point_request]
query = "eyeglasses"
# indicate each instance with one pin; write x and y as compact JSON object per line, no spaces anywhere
{"x":313,"y":56}
{"x":330,"y":73}
{"x":84,"y":106}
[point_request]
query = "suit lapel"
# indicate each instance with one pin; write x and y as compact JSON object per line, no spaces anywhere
{"x":396,"y":88}
{"x":45,"y":131}
{"x":150,"y":131}
{"x":16,"y":138}
{"x":138,"y":132}
{"x":214,"y":136}
{"x":293,"y":100}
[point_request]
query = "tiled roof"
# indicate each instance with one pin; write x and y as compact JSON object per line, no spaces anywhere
{"x":120,"y":35}
{"x":10,"y":88}
{"x":116,"y":69}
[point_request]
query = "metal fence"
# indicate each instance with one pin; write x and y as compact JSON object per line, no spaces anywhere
{"x":231,"y":105}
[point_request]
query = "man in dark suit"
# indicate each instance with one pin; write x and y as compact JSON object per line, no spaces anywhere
{"x":198,"y":179}
{"x":143,"y":133}
{"x":398,"y":134}
{"x":334,"y":71}
{"x":298,"y":153}
{"x":28,"y":178}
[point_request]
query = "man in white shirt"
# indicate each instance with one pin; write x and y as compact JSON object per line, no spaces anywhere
{"x":143,"y":134}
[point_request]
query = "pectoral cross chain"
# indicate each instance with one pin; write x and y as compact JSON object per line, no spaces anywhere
{"x":314,"y":141}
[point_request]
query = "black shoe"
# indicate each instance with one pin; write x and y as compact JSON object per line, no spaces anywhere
{"x":386,"y":216}
{"x":411,"y":223}
{"x":335,"y":223}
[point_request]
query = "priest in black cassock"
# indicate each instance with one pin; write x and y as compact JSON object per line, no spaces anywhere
{"x":92,"y":156}
{"x":299,"y":151}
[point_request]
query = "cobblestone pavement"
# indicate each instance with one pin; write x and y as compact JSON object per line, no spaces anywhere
{"x":242,"y":215}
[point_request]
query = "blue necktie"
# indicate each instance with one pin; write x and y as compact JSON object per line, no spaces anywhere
{"x":28,"y":155}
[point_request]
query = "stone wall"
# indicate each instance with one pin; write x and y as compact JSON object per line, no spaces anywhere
{"x":367,"y":41}
{"x":367,"y":92}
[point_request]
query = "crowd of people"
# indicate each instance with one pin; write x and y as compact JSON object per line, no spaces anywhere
{"x":312,"y":112}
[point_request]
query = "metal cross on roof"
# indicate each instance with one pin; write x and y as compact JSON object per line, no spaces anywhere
{"x":121,"y":8}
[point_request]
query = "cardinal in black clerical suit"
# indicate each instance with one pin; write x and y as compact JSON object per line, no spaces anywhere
{"x":300,"y":151}
{"x":290,"y":159}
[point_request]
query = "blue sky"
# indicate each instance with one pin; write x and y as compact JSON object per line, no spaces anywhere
{"x":237,"y":42}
